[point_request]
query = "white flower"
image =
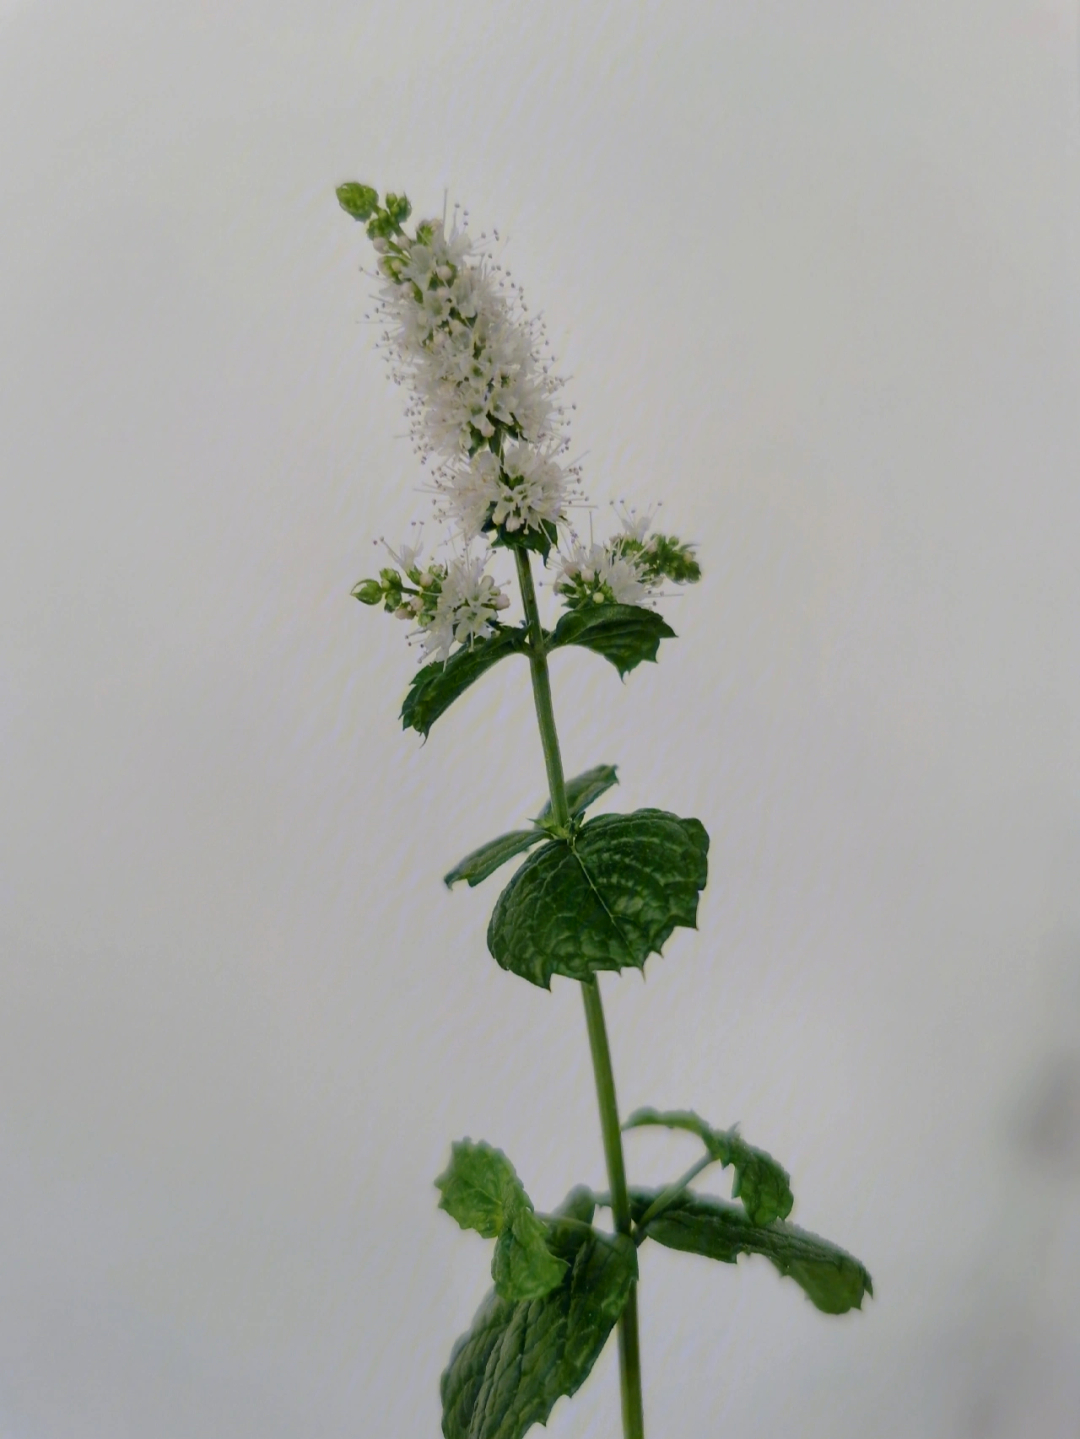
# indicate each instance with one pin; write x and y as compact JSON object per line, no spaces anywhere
{"x":468,"y":605}
{"x":601,"y":573}
{"x":459,"y":338}
{"x":532,"y":489}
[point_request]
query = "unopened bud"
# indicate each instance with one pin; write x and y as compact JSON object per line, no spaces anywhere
{"x":368,"y":592}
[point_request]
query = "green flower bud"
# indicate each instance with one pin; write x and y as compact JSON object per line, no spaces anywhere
{"x":368,"y":592}
{"x":359,"y":201}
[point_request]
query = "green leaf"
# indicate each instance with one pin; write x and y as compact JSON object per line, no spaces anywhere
{"x":763,"y":1185}
{"x":479,"y":1186}
{"x":833,"y":1279}
{"x":539,"y":540}
{"x":481,"y":1190}
{"x":523,"y":1267}
{"x":487,"y":859}
{"x":606,"y":898}
{"x":623,"y":634}
{"x":359,"y":201}
{"x":520,"y":1356}
{"x":435,"y":688}
{"x":583,"y":790}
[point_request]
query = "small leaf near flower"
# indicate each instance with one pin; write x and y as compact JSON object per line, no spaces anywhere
{"x":763,"y":1185}
{"x":606,"y":899}
{"x":623,"y":634}
{"x":435,"y":687}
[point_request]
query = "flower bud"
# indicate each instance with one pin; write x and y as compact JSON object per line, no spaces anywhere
{"x":368,"y":592}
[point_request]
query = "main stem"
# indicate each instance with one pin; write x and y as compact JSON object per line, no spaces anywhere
{"x":629,"y":1348}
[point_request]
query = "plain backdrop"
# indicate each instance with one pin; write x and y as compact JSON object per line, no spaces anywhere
{"x":812,"y":267}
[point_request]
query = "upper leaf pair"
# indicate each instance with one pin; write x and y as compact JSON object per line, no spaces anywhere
{"x":624,"y":634}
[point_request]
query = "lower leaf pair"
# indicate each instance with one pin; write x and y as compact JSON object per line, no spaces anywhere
{"x":561,"y":1284}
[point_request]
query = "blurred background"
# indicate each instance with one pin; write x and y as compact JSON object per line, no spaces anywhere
{"x":813,"y":269}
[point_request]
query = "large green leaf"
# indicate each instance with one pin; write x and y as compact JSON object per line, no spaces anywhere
{"x":519,"y":1357}
{"x":487,"y":859}
{"x":435,"y":688}
{"x":763,"y":1185}
{"x":481,"y":1190}
{"x":834,"y":1280}
{"x":623,"y":634}
{"x":583,"y":790}
{"x":606,"y":898}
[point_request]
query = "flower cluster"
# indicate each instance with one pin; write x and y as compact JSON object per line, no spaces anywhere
{"x":627,"y":570}
{"x":484,"y":410}
{"x":451,"y":604}
{"x":483,"y":402}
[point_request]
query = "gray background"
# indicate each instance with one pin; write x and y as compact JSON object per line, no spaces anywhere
{"x":813,"y":269}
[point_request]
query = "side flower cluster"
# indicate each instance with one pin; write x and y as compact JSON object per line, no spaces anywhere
{"x":627,"y":570}
{"x":450,"y":604}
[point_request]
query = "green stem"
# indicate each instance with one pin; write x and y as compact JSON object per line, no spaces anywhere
{"x":670,"y":1194}
{"x":629,"y":1349}
{"x":541,"y":683}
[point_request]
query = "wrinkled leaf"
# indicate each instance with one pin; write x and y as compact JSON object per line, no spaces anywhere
{"x":623,"y":634}
{"x":435,"y":687}
{"x":607,"y":898}
{"x":481,"y":1190}
{"x":834,"y":1280}
{"x":479,"y":1187}
{"x":519,"y":1357}
{"x":583,"y":790}
{"x":487,"y":859}
{"x":763,"y":1185}
{"x":523,"y":1267}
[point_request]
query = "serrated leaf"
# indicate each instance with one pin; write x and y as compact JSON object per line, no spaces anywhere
{"x":834,"y":1280}
{"x":435,"y":687}
{"x":487,"y":859}
{"x":763,"y":1185}
{"x":623,"y":634}
{"x":521,"y":1356}
{"x":481,"y":1190}
{"x":605,"y":899}
{"x":480,"y":1187}
{"x":583,"y":790}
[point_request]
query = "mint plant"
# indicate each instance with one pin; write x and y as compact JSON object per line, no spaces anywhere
{"x":593,"y":894}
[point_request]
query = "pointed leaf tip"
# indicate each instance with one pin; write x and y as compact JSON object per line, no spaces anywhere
{"x":624,"y":634}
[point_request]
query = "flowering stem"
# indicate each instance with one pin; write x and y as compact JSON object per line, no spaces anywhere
{"x":541,"y":682}
{"x":629,"y":1349}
